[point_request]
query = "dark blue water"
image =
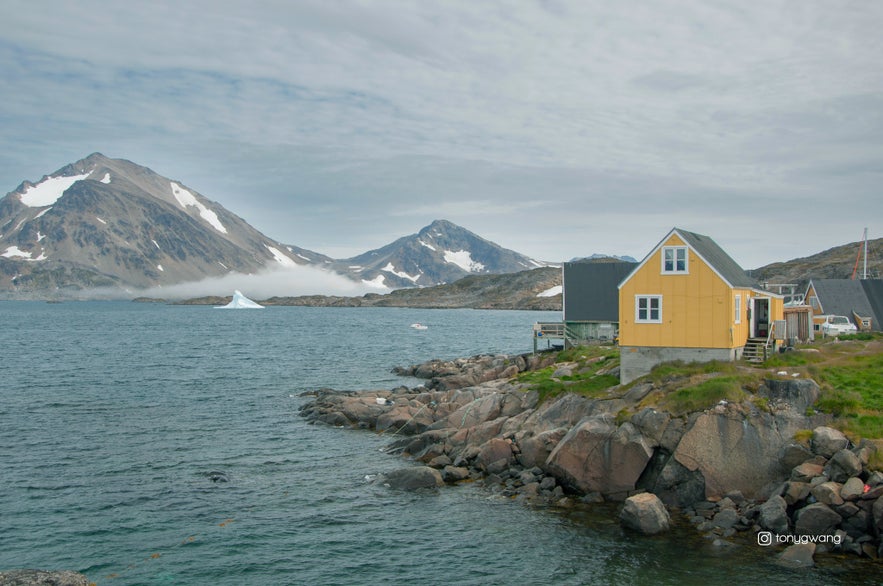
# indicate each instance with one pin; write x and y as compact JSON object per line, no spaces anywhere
{"x":114,"y":416}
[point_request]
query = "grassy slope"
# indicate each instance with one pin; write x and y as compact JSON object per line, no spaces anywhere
{"x":849,"y":372}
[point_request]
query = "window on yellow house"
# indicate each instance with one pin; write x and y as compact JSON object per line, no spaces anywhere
{"x":674,"y":259}
{"x":648,"y":309}
{"x":738,"y":316}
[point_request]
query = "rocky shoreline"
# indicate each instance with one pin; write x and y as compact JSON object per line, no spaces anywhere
{"x":735,"y":471}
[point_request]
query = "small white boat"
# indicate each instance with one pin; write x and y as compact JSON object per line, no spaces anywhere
{"x":418,"y":326}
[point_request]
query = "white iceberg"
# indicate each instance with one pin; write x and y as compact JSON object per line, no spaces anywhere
{"x":240,"y":301}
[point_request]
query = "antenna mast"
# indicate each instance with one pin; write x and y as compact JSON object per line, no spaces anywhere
{"x":865,"y":268}
{"x":857,"y":256}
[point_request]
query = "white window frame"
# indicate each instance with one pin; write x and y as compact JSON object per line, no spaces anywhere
{"x":648,"y":309}
{"x":674,"y":251}
{"x":738,"y":305}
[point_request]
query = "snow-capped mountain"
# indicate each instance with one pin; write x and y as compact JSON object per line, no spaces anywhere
{"x":440,"y":253}
{"x":110,"y":222}
{"x":104,"y":222}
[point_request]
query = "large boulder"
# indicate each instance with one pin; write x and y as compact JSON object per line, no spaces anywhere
{"x":414,"y":478}
{"x":677,"y":486}
{"x":535,"y":449}
{"x":482,"y":409}
{"x":404,"y":419}
{"x":793,"y":454}
{"x":597,"y":456}
{"x":798,"y":555}
{"x":794,"y":394}
{"x":495,"y":456}
{"x":645,"y":513}
{"x":651,"y":423}
{"x":565,"y":411}
{"x":816,"y":519}
{"x":852,"y":489}
{"x":734,"y":451}
{"x":827,"y":441}
{"x":828,"y":493}
{"x":796,"y":491}
{"x":843,"y":465}
{"x":806,"y":472}
{"x":774,"y":515}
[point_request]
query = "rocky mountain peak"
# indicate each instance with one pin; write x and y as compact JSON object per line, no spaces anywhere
{"x":112,"y":223}
{"x":441,"y":252}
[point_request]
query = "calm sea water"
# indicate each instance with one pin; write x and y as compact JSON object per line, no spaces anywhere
{"x":114,"y":416}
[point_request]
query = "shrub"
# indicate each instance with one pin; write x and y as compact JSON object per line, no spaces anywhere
{"x":802,"y":436}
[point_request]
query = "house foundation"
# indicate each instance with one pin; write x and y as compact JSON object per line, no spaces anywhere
{"x":636,"y":361}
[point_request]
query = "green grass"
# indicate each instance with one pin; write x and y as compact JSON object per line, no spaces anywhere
{"x":838,"y":402}
{"x":669,"y":371}
{"x":587,"y":362}
{"x":861,"y":336}
{"x":862,"y":426}
{"x":852,"y":391}
{"x":850,"y":374}
{"x":792,"y":359}
{"x":860,"y":374}
{"x":706,"y":394}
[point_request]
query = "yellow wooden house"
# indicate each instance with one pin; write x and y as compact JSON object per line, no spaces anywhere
{"x":688,"y":300}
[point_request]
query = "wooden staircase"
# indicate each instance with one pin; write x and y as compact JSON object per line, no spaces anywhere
{"x":756,"y":350}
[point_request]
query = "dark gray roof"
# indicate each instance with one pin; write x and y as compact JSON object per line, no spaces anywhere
{"x":591,"y":290}
{"x":715,"y":256}
{"x":842,"y":297}
{"x":874,"y":291}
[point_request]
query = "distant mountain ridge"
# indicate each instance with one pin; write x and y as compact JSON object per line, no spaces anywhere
{"x":102,"y":222}
{"x":440,"y":253}
{"x":835,"y":263}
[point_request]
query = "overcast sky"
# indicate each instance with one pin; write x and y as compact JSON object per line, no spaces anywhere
{"x":555,"y":128}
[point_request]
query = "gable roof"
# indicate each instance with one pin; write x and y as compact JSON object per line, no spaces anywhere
{"x":712,"y":254}
{"x":842,"y":297}
{"x":874,"y":290}
{"x":590,"y":290}
{"x":845,"y":296}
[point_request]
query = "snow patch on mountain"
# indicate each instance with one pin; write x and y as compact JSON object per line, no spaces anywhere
{"x":281,"y":258}
{"x":16,"y":252}
{"x":106,"y":178}
{"x":47,"y":192}
{"x":378,"y":282}
{"x":186,"y":199}
{"x":463,"y":259}
{"x":390,"y":268}
{"x":429,"y":246}
{"x":551,"y":292}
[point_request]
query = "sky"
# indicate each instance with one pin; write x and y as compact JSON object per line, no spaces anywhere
{"x":556,"y":128}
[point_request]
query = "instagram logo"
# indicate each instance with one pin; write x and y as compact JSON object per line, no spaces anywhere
{"x":764,"y":538}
